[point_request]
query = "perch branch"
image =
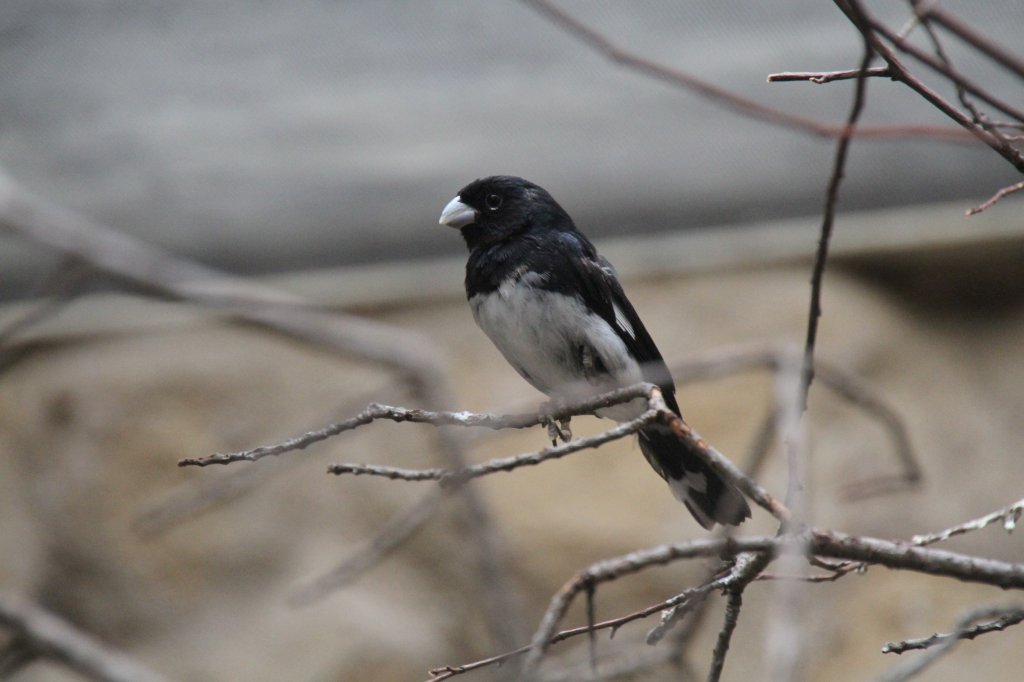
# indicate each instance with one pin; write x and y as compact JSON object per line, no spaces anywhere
{"x":375,"y":412}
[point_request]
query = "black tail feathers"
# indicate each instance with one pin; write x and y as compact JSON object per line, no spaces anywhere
{"x":710,"y":498}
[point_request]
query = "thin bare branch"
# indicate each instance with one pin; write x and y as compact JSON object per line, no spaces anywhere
{"x":48,"y":636}
{"x":945,"y":69}
{"x":613,"y":624}
{"x":982,"y":43}
{"x":945,"y":643}
{"x":998,"y":196}
{"x":733,"y":605}
{"x":1004,"y":618}
{"x":1008,"y":515}
{"x":375,"y":412}
{"x":831,"y":198}
{"x":821,"y":77}
{"x":867,"y":25}
{"x":742,"y":105}
{"x":449,"y":477}
{"x":822,"y":543}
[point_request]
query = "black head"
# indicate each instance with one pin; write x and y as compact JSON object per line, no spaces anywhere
{"x":494,"y":209}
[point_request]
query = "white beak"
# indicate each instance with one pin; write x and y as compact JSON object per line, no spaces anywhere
{"x":457,"y":214}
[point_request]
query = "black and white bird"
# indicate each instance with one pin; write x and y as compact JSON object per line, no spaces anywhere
{"x":556,"y":311}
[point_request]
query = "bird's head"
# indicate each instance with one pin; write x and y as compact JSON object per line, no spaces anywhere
{"x":491,"y":210}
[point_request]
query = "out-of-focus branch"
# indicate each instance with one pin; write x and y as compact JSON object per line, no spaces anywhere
{"x":46,"y":635}
{"x":738,"y":103}
{"x":398,"y":529}
{"x":873,"y":30}
{"x":411,"y":356}
{"x":982,"y":43}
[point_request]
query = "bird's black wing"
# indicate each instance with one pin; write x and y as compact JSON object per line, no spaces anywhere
{"x":598,"y":285}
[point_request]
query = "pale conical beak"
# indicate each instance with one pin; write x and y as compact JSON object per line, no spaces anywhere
{"x":457,"y":214}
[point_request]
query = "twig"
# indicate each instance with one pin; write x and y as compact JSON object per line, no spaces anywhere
{"x":1009,"y":515}
{"x":742,"y":105}
{"x":451,"y":477}
{"x":946,"y":70}
{"x":946,"y":642}
{"x":982,"y":43}
{"x":1004,"y":618}
{"x":855,"y":11}
{"x":612,"y":569}
{"x":831,"y":197}
{"x":821,"y":77}
{"x":831,"y":544}
{"x":732,"y":615}
{"x":991,"y":201}
{"x":51,"y":637}
{"x":613,"y":624}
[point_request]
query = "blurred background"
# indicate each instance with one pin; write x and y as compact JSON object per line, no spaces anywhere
{"x":312,"y":145}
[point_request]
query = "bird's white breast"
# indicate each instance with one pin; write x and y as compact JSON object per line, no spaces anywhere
{"x":540,"y":333}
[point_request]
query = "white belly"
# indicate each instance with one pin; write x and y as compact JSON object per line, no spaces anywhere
{"x":541,"y":334}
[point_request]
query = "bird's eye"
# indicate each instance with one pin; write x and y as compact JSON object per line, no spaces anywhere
{"x":493,"y":202}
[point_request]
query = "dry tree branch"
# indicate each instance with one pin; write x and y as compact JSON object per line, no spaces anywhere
{"x":449,"y":477}
{"x":411,"y":356}
{"x":687,"y":597}
{"x":820,"y":543}
{"x":733,"y":604}
{"x":1009,"y":515}
{"x":1005,"y":616}
{"x":982,"y":43}
{"x":942,"y":67}
{"x":821,"y":77}
{"x":742,"y":105}
{"x":793,"y":384}
{"x":375,"y":412}
{"x":998,"y":196}
{"x":46,"y":635}
{"x":870,"y":29}
{"x":831,"y":197}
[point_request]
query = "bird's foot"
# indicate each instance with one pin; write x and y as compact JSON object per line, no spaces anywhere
{"x":558,"y":429}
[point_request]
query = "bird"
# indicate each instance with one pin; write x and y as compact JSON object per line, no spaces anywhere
{"x":557,"y":312}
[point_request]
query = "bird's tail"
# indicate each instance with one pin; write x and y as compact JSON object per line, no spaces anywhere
{"x":708,"y":496}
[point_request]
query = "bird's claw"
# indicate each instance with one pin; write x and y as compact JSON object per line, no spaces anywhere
{"x":558,"y":429}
